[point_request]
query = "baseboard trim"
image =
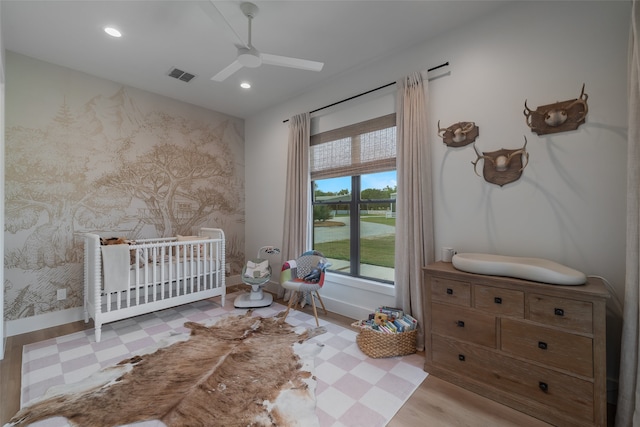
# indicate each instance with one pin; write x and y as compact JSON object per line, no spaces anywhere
{"x":351,"y":311}
{"x":35,"y":323}
{"x":61,"y":317}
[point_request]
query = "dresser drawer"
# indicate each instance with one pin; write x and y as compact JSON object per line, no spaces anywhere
{"x":499,"y":301}
{"x":451,"y":291}
{"x":561,"y":312}
{"x":520,"y":380}
{"x":464,"y":324}
{"x":555,"y":348}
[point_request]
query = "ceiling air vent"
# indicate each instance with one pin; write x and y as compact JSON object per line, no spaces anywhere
{"x":181,"y":75}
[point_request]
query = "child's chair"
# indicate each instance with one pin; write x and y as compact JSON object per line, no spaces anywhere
{"x":304,"y":276}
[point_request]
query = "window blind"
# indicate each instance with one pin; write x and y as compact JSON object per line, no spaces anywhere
{"x":365,"y":147}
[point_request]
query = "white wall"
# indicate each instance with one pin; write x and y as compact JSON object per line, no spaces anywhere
{"x":2,"y":338}
{"x":569,"y":205}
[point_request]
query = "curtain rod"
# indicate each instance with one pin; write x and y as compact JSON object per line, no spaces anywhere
{"x":367,"y":92}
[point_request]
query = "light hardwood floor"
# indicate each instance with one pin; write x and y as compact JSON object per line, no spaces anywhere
{"x":434,"y":403}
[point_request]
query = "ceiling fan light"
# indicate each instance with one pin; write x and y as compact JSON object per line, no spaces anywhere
{"x":112,"y":32}
{"x":245,"y":85}
{"x":249,"y":57}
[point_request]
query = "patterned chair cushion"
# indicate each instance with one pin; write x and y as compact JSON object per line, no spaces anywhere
{"x":297,"y":272}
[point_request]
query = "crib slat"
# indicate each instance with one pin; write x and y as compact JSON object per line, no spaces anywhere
{"x":146,"y":282}
{"x":165,"y":260}
{"x":153,"y":260}
{"x":184,"y":270}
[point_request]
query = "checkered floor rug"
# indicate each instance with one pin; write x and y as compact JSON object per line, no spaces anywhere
{"x":352,"y":389}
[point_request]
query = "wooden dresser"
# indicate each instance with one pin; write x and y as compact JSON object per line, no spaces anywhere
{"x":535,"y":347}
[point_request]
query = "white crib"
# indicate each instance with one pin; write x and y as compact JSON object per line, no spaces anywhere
{"x":167,"y":272}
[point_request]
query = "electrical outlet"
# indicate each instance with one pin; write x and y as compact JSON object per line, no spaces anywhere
{"x":227,"y":268}
{"x":62,"y":294}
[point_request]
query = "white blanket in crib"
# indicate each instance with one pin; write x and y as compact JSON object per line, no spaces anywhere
{"x":115,"y":267}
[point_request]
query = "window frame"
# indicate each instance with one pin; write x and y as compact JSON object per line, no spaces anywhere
{"x":354,"y":171}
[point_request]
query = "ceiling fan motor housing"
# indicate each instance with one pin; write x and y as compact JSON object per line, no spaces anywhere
{"x":249,"y":9}
{"x":249,"y":57}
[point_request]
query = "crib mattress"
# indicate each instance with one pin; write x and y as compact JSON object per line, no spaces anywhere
{"x":149,"y":274}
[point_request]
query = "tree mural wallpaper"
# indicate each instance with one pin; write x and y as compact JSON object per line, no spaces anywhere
{"x":108,"y":167}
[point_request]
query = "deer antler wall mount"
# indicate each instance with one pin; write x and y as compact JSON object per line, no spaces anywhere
{"x":458,"y":134}
{"x":502,"y":166}
{"x":558,"y":117}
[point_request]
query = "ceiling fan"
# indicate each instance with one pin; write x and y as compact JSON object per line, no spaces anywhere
{"x":250,"y":57}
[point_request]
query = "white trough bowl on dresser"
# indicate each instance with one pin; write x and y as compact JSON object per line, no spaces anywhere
{"x":536,"y":347}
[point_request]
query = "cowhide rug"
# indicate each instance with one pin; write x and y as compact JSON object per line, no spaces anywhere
{"x":241,"y":371}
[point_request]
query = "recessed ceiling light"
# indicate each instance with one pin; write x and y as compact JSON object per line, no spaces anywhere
{"x":112,"y":32}
{"x":245,"y":85}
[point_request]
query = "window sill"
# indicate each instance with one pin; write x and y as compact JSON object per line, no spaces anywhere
{"x":362,"y":284}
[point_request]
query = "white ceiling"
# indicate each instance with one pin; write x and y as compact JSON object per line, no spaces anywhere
{"x":193,"y":36}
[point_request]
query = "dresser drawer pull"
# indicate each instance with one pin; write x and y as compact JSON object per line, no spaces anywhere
{"x":461,"y":357}
{"x":497,"y":300}
{"x":542,"y":345}
{"x":558,"y":312}
{"x":460,"y":323}
{"x":543,"y":386}
{"x":449,"y":291}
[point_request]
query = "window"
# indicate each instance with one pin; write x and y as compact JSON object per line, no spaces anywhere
{"x":353,"y":178}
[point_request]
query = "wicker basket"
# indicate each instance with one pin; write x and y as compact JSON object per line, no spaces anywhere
{"x":377,"y":344}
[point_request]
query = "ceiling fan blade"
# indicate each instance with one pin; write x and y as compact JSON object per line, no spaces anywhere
{"x":222,"y":75}
{"x":285,"y":61}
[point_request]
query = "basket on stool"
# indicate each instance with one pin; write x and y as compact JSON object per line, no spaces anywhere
{"x":378,"y":344}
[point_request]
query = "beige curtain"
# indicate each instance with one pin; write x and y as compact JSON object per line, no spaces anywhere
{"x":414,"y":221}
{"x":628,"y":410}
{"x":297,"y":190}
